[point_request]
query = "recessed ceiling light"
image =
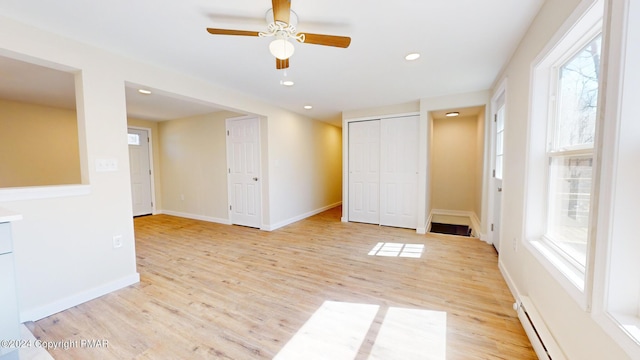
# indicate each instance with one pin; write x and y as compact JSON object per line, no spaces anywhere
{"x":452,"y":114}
{"x":412,"y":56}
{"x":308,"y":107}
{"x":144,"y":91}
{"x":286,"y":82}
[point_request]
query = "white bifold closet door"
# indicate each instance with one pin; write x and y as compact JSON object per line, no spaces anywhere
{"x":383,"y":171}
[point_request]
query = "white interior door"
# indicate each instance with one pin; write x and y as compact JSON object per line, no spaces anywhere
{"x":499,"y":119}
{"x":399,"y":172}
{"x":140,"y":169}
{"x":243,"y":160}
{"x":364,"y":171}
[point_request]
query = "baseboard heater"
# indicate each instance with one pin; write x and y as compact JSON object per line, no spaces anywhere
{"x":541,"y":339}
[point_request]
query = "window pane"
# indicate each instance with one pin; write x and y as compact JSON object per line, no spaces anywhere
{"x":500,"y":119}
{"x":578,"y":97}
{"x":134,"y":139}
{"x":499,"y":167}
{"x":499,"y":141}
{"x":569,"y":204}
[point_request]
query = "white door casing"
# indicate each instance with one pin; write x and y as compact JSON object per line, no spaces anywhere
{"x":399,"y":172}
{"x":140,"y":171}
{"x":364,"y":171}
{"x":498,"y":156}
{"x":243,"y":165}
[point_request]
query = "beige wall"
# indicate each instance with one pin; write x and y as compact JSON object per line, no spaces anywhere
{"x":310,"y":152}
{"x":152,"y":126}
{"x":454,"y":165}
{"x":38,"y":145}
{"x":194,"y":166}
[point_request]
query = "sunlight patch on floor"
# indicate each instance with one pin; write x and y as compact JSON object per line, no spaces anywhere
{"x":411,"y":334}
{"x":337,"y":331}
{"x":334,"y":331}
{"x":397,"y":250}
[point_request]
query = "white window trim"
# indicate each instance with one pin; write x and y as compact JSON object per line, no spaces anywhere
{"x":619,"y":110}
{"x":583,"y":24}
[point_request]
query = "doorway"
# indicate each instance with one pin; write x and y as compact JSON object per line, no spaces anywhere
{"x":457,"y":159}
{"x":140,"y":171}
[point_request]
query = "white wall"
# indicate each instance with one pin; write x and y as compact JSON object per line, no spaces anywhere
{"x":63,"y":247}
{"x":575,"y":330}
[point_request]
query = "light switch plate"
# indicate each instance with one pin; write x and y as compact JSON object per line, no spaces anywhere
{"x":103,"y":165}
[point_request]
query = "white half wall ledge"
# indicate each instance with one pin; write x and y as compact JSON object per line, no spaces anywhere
{"x":43,"y":192}
{"x":77,"y":299}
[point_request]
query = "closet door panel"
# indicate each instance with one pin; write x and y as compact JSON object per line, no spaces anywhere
{"x":399,"y":172}
{"x":364,"y":171}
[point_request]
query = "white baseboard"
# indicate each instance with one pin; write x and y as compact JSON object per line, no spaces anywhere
{"x":77,"y":299}
{"x":195,"y":217}
{"x":299,"y":217}
{"x":510,"y":283}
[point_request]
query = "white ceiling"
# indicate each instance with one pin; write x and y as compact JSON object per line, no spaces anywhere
{"x":464,"y":44}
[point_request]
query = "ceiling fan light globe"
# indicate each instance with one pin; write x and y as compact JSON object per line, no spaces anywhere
{"x":281,"y":49}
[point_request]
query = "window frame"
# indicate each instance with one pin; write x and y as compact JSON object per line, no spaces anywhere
{"x":581,"y":28}
{"x":617,"y":282}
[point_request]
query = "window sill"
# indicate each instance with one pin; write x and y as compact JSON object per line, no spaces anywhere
{"x":43,"y":192}
{"x":624,"y":329}
{"x":570,"y":278}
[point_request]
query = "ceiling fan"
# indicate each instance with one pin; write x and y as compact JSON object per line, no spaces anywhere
{"x":282,"y":22}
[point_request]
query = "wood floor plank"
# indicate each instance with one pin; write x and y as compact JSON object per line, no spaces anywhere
{"x":218,"y":291}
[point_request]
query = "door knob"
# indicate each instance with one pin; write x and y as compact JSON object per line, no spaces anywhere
{"x":255,"y":179}
{"x":499,"y":189}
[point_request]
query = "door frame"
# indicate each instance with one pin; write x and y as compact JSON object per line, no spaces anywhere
{"x":152,"y":176}
{"x":501,"y":90}
{"x":261,"y":183}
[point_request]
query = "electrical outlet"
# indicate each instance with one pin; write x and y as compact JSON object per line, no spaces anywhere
{"x":182,"y":197}
{"x":117,"y":241}
{"x":515,"y":244}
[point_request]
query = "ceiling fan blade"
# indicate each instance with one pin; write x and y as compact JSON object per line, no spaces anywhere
{"x":327,"y":40}
{"x":281,"y":10}
{"x":232,"y":32}
{"x":282,"y":64}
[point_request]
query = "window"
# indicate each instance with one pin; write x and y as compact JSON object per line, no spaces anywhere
{"x":570,"y":154}
{"x":133,"y":139}
{"x":499,"y":141}
{"x":561,"y":164}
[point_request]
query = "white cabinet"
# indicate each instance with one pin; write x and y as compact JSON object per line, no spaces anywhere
{"x":9,"y":318}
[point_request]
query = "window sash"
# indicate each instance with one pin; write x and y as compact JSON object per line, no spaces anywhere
{"x":569,"y":198}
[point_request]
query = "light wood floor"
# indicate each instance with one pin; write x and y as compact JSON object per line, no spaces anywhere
{"x":217,"y":291}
